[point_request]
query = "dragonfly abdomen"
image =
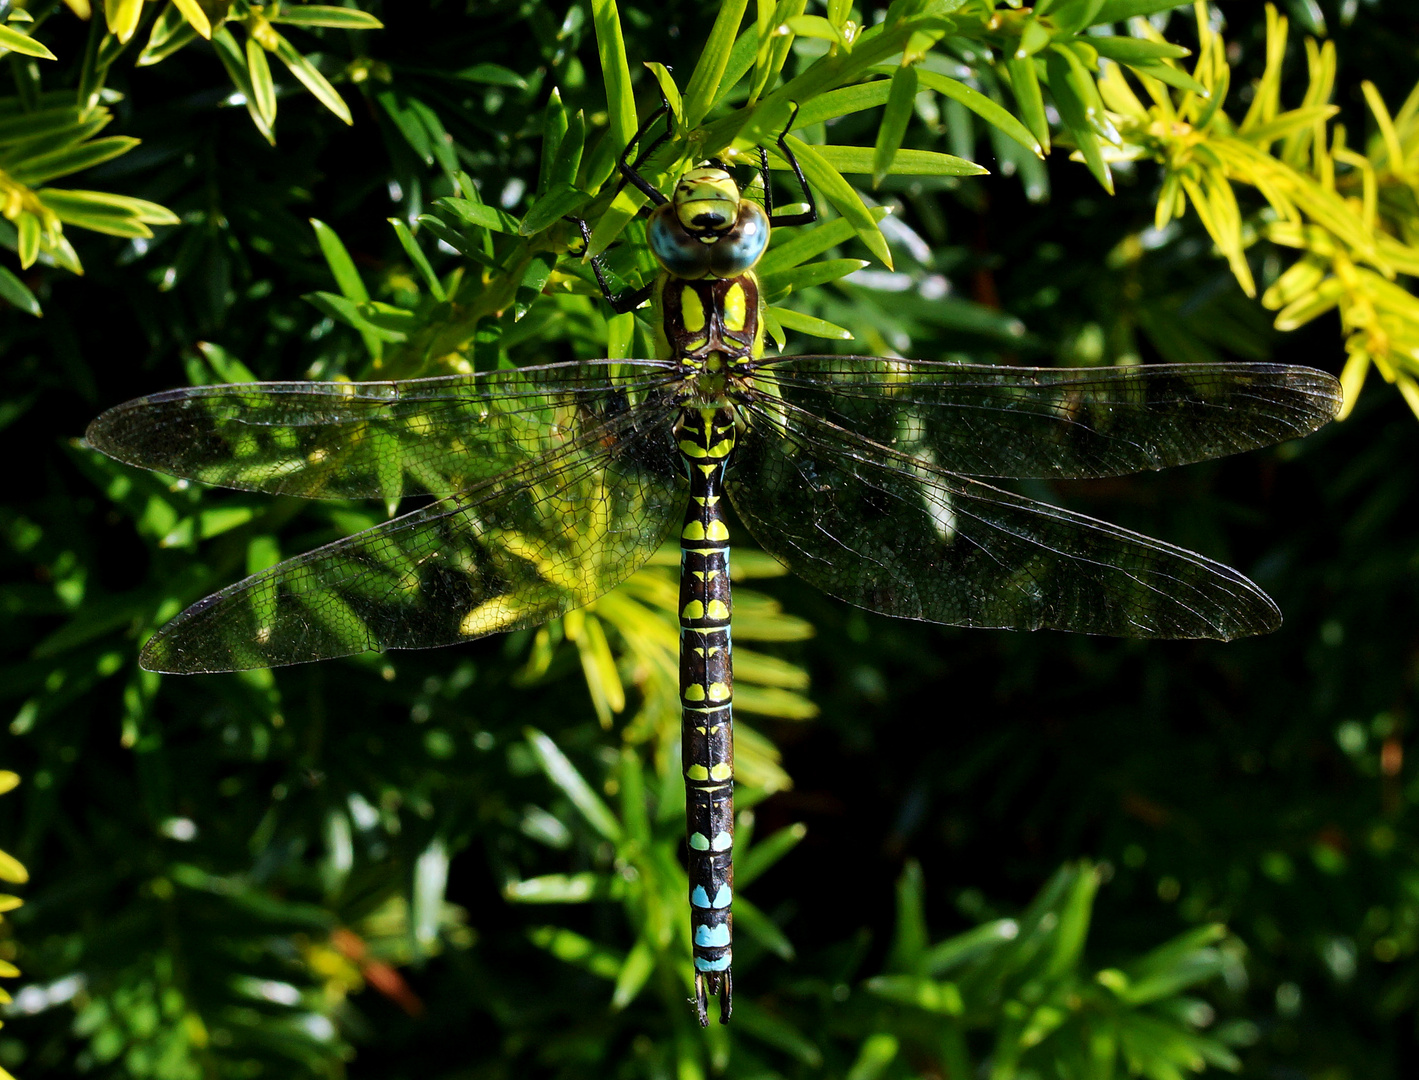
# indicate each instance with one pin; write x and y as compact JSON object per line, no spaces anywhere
{"x":706,"y":440}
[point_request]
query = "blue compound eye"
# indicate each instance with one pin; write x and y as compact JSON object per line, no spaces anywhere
{"x":742,"y":246}
{"x":675,"y":249}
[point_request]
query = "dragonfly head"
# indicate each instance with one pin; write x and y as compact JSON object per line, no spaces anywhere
{"x":707,"y":228}
{"x":706,"y":200}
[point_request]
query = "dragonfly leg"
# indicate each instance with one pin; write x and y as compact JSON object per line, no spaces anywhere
{"x":811,"y":214}
{"x":628,"y":170}
{"x":621,"y":302}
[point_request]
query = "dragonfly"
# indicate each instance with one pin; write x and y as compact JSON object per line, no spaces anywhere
{"x":867,"y":476}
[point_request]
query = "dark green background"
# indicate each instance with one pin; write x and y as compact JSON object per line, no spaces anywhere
{"x":1239,"y":782}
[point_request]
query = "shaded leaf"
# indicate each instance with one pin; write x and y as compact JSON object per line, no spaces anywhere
{"x":564,"y":774}
{"x":16,"y":293}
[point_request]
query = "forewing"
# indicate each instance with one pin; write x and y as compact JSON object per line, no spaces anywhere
{"x":375,"y":439}
{"x":983,"y":420}
{"x":896,"y":535}
{"x":515,"y":551}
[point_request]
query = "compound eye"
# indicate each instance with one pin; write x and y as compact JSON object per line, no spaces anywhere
{"x":742,"y":246}
{"x":675,"y":249}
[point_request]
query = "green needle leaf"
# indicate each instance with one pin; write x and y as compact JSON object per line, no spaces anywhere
{"x":233,"y":58}
{"x":843,"y":101}
{"x":671,"y":92}
{"x":171,"y":31}
{"x":766,"y":852}
{"x":1025,"y":82}
{"x":554,"y":129}
{"x":811,"y":325}
{"x":862,"y":159}
{"x":323,"y":15}
{"x":313,"y":80}
{"x":1166,"y":73}
{"x":16,"y":42}
{"x":616,"y":76}
{"x":989,"y":110}
{"x":1117,"y":11}
{"x":1132,"y":50}
{"x":118,"y":215}
{"x":894,"y":123}
{"x":637,"y":969}
{"x":263,"y":90}
{"x":1073,"y":111}
{"x":70,"y":159}
{"x":352,"y":288}
{"x":16,"y":292}
{"x":561,"y":200}
{"x":564,"y":774}
{"x":829,"y":181}
{"x":340,"y":263}
{"x":703,"y":87}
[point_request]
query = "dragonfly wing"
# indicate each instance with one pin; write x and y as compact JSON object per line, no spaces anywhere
{"x":513,"y":552}
{"x":375,"y":439}
{"x":898,"y":536}
{"x":983,"y":420}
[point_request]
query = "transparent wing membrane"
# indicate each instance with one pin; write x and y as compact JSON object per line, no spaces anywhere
{"x":561,"y":480}
{"x":371,"y":440}
{"x":895,"y":534}
{"x":514,"y":551}
{"x":981,"y":420}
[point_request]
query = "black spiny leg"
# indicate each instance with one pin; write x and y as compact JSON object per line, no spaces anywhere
{"x":808,"y":216}
{"x":628,"y":171}
{"x":622,"y":302}
{"x":631,"y":299}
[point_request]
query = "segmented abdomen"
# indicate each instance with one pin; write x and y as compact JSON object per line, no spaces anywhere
{"x":706,"y":438}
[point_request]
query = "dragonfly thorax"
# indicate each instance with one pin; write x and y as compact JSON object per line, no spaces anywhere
{"x":710,"y":317}
{"x":711,"y":380}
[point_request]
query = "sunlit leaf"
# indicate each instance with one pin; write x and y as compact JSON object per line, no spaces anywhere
{"x":122,"y":17}
{"x":491,"y":75}
{"x":338,"y":18}
{"x":1074,"y":111}
{"x":862,"y":159}
{"x":312,"y":79}
{"x":893,"y":127}
{"x":191,"y":10}
{"x":1117,"y":11}
{"x":704,"y":85}
{"x":173,"y":29}
{"x":418,"y":258}
{"x":992,"y":112}
{"x":339,"y":261}
{"x":847,"y":202}
{"x":71,"y":159}
{"x":16,"y":42}
{"x":233,"y":58}
{"x":615,"y":73}
{"x":262,"y":89}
